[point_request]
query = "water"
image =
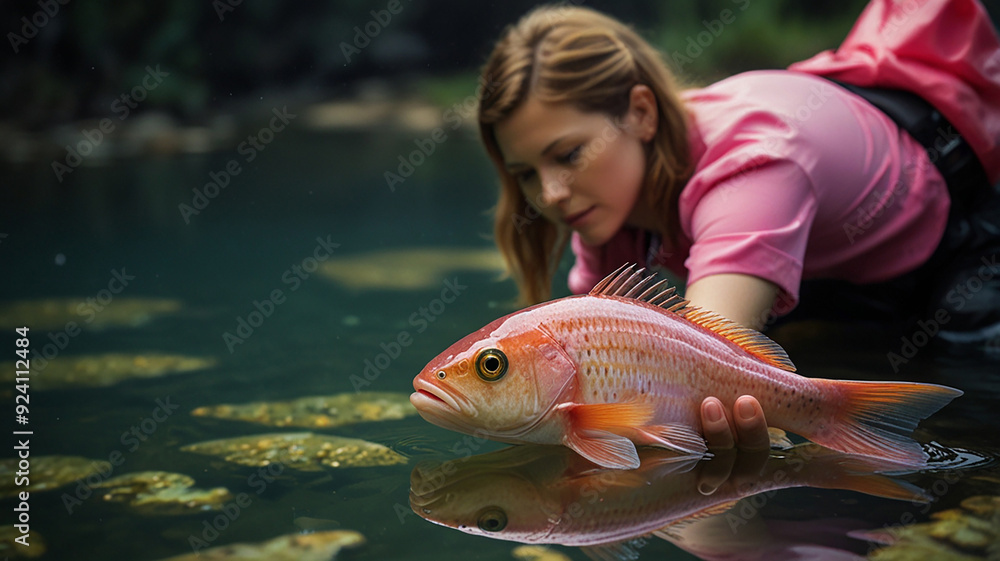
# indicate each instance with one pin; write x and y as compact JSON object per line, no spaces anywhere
{"x":66,"y":239}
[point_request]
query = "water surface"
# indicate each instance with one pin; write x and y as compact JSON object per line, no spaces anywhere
{"x":304,"y":192}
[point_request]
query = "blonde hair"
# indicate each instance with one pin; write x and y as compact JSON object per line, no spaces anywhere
{"x":566,"y":54}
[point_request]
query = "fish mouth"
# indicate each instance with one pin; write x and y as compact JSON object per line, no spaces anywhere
{"x":430,"y":395}
{"x":426,"y":499}
{"x":440,"y":406}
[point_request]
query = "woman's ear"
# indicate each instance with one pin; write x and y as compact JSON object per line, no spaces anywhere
{"x":642,"y":117}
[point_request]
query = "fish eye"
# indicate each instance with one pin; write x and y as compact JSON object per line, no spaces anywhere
{"x":441,"y":374}
{"x":491,"y":364}
{"x":492,"y":519}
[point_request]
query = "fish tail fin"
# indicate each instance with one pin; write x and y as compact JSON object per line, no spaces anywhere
{"x":887,"y":487}
{"x":878,"y":418}
{"x":881,"y":485}
{"x":828,"y":469}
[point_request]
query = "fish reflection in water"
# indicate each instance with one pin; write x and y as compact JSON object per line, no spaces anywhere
{"x":550,"y":495}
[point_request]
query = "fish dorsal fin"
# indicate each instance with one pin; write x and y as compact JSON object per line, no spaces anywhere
{"x":673,"y":530}
{"x":750,"y":340}
{"x":630,"y":282}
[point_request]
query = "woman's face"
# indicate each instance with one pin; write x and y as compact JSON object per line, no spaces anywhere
{"x":584,"y":170}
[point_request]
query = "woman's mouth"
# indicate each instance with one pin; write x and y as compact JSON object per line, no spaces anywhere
{"x":574,"y":220}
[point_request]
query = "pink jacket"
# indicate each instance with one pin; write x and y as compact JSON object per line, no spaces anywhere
{"x":797,"y":178}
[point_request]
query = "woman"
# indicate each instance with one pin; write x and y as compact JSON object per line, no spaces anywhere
{"x":750,"y":185}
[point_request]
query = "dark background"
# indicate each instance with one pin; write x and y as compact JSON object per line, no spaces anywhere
{"x":219,"y":55}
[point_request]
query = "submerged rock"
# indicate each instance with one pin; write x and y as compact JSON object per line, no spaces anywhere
{"x":104,"y":370}
{"x":55,"y":313}
{"x":969,"y":533}
{"x":317,"y":411}
{"x":10,"y":549}
{"x":303,"y":451}
{"x":409,"y":269}
{"x":49,"y":472}
{"x":162,"y":493}
{"x":538,"y":553}
{"x":318,"y":546}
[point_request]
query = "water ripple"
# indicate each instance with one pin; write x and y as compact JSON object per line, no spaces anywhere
{"x":944,"y":458}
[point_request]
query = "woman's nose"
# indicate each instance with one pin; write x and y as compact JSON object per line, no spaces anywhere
{"x":554,"y":188}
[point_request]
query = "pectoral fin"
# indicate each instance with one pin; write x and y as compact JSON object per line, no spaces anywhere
{"x":603,"y":448}
{"x":673,"y":436}
{"x":596,"y":431}
{"x":613,"y":417}
{"x":616,"y":551}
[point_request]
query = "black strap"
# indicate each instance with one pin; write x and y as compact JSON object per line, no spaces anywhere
{"x":947,"y":150}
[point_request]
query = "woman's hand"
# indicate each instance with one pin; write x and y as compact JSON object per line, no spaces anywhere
{"x":744,"y":427}
{"x":747,"y":300}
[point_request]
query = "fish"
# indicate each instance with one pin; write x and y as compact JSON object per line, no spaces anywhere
{"x":629,"y":364}
{"x":550,"y":495}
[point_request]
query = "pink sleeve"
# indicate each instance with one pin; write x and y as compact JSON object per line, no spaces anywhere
{"x":756,"y":223}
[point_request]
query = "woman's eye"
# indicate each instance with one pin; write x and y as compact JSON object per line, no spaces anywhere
{"x":570,"y":157}
{"x":524,"y":176}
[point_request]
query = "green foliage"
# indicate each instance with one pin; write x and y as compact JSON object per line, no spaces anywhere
{"x":99,"y":49}
{"x":728,"y":39}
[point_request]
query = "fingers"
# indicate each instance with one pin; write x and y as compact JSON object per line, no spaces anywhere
{"x":715,"y":424}
{"x":716,"y":471}
{"x":744,"y":427}
{"x":747,"y":429}
{"x":751,"y":427}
